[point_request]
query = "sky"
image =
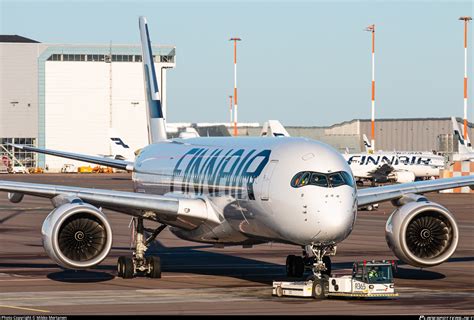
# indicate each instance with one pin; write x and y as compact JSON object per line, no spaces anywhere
{"x":301,"y":62}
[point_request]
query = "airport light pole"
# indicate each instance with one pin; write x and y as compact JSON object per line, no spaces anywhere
{"x":235,"y":84}
{"x":371,"y":29}
{"x":230,"y":99}
{"x":466,"y":21}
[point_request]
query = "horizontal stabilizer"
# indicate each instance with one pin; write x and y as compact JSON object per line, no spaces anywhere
{"x":113,"y":163}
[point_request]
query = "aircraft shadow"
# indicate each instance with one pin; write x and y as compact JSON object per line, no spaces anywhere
{"x":80,"y":276}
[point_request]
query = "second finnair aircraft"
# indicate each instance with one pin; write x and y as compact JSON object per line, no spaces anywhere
{"x":233,"y":191}
{"x":398,"y":166}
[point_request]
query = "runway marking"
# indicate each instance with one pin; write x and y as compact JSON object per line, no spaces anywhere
{"x":23,"y":308}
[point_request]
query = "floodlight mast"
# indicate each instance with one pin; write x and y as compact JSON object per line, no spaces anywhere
{"x":371,"y":29}
{"x":235,"y":84}
{"x":466,"y":21}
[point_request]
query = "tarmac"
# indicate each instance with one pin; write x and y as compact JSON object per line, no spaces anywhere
{"x":202,"y":279}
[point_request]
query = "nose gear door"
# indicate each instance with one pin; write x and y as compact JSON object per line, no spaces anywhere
{"x":265,"y":188}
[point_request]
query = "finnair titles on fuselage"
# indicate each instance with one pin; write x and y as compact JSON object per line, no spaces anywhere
{"x":210,"y":170}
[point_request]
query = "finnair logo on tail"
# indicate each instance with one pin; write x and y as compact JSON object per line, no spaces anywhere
{"x":119,"y":142}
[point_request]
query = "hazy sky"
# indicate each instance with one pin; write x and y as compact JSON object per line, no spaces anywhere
{"x":304,"y":63}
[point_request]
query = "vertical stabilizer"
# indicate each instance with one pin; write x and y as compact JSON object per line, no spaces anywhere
{"x":156,"y":121}
{"x":120,"y":149}
{"x":367,"y":144}
{"x":462,"y":144}
{"x":273,"y":128}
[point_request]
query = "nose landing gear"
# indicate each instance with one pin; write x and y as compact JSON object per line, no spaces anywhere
{"x":129,"y":267}
{"x":315,"y":257}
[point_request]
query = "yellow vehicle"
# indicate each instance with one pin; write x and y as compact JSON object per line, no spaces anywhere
{"x":84,"y":169}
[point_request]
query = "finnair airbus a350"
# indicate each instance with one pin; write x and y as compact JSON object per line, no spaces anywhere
{"x":236,"y":191}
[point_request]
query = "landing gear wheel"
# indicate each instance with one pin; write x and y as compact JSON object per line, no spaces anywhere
{"x":327,"y":263}
{"x":298,"y":267}
{"x":128,"y":269}
{"x":290,"y":262}
{"x":279,"y":291}
{"x":120,"y":266}
{"x":320,"y":288}
{"x":154,"y":267}
{"x":294,"y":266}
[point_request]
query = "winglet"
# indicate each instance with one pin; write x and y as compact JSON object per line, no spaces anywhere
{"x":156,"y":121}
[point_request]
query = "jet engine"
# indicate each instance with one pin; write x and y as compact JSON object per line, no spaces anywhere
{"x":422,"y":233}
{"x":77,"y":235}
{"x":403,"y":176}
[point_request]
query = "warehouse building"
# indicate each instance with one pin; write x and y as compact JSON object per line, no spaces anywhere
{"x":413,"y":134}
{"x":67,"y":96}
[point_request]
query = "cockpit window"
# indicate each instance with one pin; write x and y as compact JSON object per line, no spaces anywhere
{"x":319,"y":179}
{"x":336,"y":179}
{"x":325,"y":180}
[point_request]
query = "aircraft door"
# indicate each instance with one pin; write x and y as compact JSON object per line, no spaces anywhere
{"x":265,"y":188}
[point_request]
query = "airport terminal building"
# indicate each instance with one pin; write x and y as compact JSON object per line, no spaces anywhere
{"x":67,"y":96}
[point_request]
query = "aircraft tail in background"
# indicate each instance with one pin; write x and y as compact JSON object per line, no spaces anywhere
{"x":120,"y":149}
{"x":273,"y":128}
{"x":367,"y":144}
{"x":464,"y":146}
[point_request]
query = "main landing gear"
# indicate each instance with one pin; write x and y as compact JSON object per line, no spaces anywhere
{"x":315,"y":257}
{"x":129,"y":267}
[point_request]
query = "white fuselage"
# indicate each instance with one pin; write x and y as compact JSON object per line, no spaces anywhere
{"x":248,"y":181}
{"x":420,"y":164}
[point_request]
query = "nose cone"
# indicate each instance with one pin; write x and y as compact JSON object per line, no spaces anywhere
{"x":335,"y":210}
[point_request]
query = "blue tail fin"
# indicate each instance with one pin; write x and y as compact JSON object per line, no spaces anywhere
{"x":156,"y":121}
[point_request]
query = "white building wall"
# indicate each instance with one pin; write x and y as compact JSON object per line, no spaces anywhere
{"x":77,"y":107}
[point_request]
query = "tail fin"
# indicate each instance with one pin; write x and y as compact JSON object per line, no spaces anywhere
{"x":120,"y":149}
{"x":273,"y":128}
{"x":367,"y":144}
{"x":462,"y":144}
{"x":156,"y":121}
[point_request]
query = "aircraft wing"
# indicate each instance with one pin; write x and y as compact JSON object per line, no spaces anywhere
{"x":113,"y":163}
{"x":186,"y":213}
{"x":396,"y":191}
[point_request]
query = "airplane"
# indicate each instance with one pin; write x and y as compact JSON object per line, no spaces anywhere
{"x":397,"y":166}
{"x":465,"y":150}
{"x":235,"y":191}
{"x":381,"y":166}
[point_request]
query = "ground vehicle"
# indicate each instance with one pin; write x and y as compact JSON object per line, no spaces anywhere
{"x":68,"y":168}
{"x":369,"y":279}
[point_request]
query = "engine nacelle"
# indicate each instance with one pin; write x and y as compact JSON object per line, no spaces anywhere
{"x":403,"y":176}
{"x":77,"y":235}
{"x":422,"y":234}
